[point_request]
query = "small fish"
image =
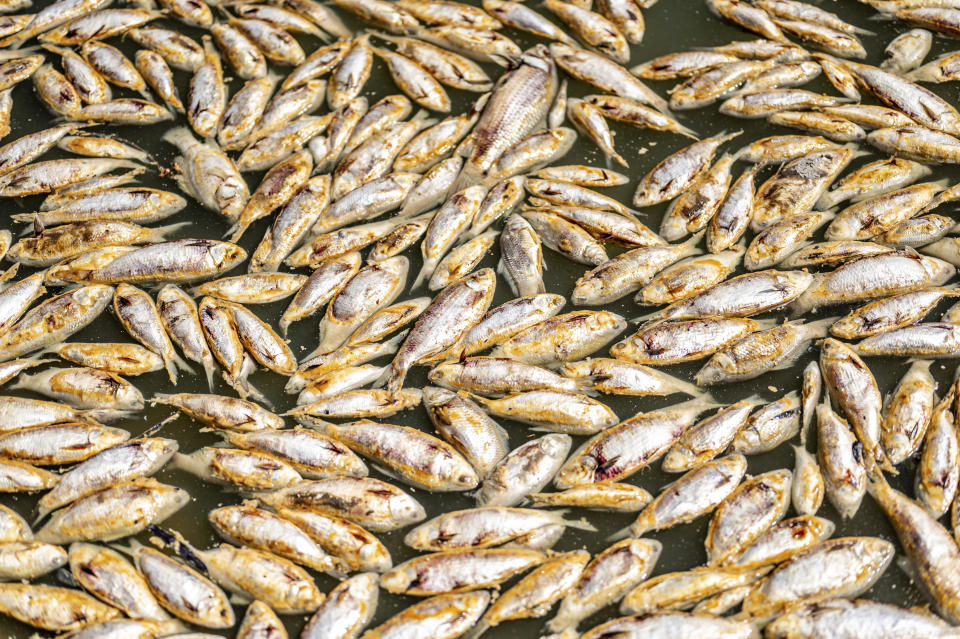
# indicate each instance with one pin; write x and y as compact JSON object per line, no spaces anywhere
{"x":604,"y":496}
{"x":750,"y":17}
{"x":605,"y":74}
{"x":666,"y":623}
{"x":841,"y":460}
{"x":694,"y":494}
{"x":865,"y":618}
{"x":874,"y":276}
{"x":628,"y":272}
{"x":262,"y":530}
{"x":611,"y":574}
{"x":53,"y":320}
{"x":447,"y":67}
{"x":817,"y":123}
{"x":121,"y":510}
{"x":108,"y":575}
{"x":854,"y":389}
{"x":244,"y":469}
{"x":708,"y":438}
{"x":347,"y":610}
{"x":908,"y":412}
{"x":693,"y":209}
{"x":320,"y":287}
{"x":52,"y":608}
{"x":855,"y":565}
{"x":748,"y":512}
{"x":371,"y":503}
{"x":123,"y":462}
{"x":674,"y":590}
{"x":689,"y":277}
{"x":356,"y":547}
{"x":808,"y":487}
{"x":635,"y":443}
{"x":928,"y":545}
{"x":440,"y":617}
{"x":183,"y":591}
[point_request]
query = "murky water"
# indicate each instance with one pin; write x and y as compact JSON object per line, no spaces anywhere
{"x":672,"y":25}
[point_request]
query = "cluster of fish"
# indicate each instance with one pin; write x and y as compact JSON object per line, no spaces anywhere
{"x":347,"y":193}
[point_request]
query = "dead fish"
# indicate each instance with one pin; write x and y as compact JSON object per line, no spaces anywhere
{"x":608,"y":577}
{"x":890,"y":313}
{"x":762,"y":351}
{"x":696,"y":493}
{"x":817,"y":123}
{"x":734,"y":213}
{"x":854,"y":389}
{"x":688,"y":277}
{"x":797,"y":186}
{"x":855,"y":564}
{"x":415,"y":81}
{"x":556,"y":411}
{"x":908,"y":412}
{"x":750,"y":17}
{"x":322,"y":286}
{"x":498,"y":377}
{"x":356,"y":403}
{"x":769,"y":426}
{"x":526,"y":469}
{"x":680,"y":589}
{"x":523,"y":18}
{"x":441,"y":617}
{"x":118,"y":511}
{"x":841,"y":460}
{"x":84,"y":388}
{"x":678,"y":171}
{"x":447,"y":67}
{"x":291,"y":224}
{"x":874,"y":276}
{"x":693,"y":209}
{"x":123,"y":462}
{"x":210,"y":176}
{"x":755,"y":504}
{"x":516,"y":105}
{"x":832,"y":253}
{"x":243,"y":112}
{"x":860,"y":616}
{"x":664,"y":624}
{"x":22,"y":560}
{"x":628,"y":272}
{"x":53,"y":608}
{"x":311,"y":454}
{"x":436,"y":329}
{"x":372,"y":288}
{"x":873,"y":179}
{"x":262,"y":530}
{"x":675,"y":342}
{"x":780,"y":148}
{"x":183,"y":591}
{"x":709,"y":437}
{"x":373,"y":504}
{"x":605,"y":74}
{"x":175,"y":48}
{"x":320,"y":62}
{"x":111,"y":578}
{"x":635,"y":443}
{"x":246,"y":470}
{"x":458,"y":570}
{"x":347,"y":610}
{"x":218,"y":411}
{"x":784,"y":540}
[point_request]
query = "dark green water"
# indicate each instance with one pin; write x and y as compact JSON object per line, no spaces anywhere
{"x":672,"y":25}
